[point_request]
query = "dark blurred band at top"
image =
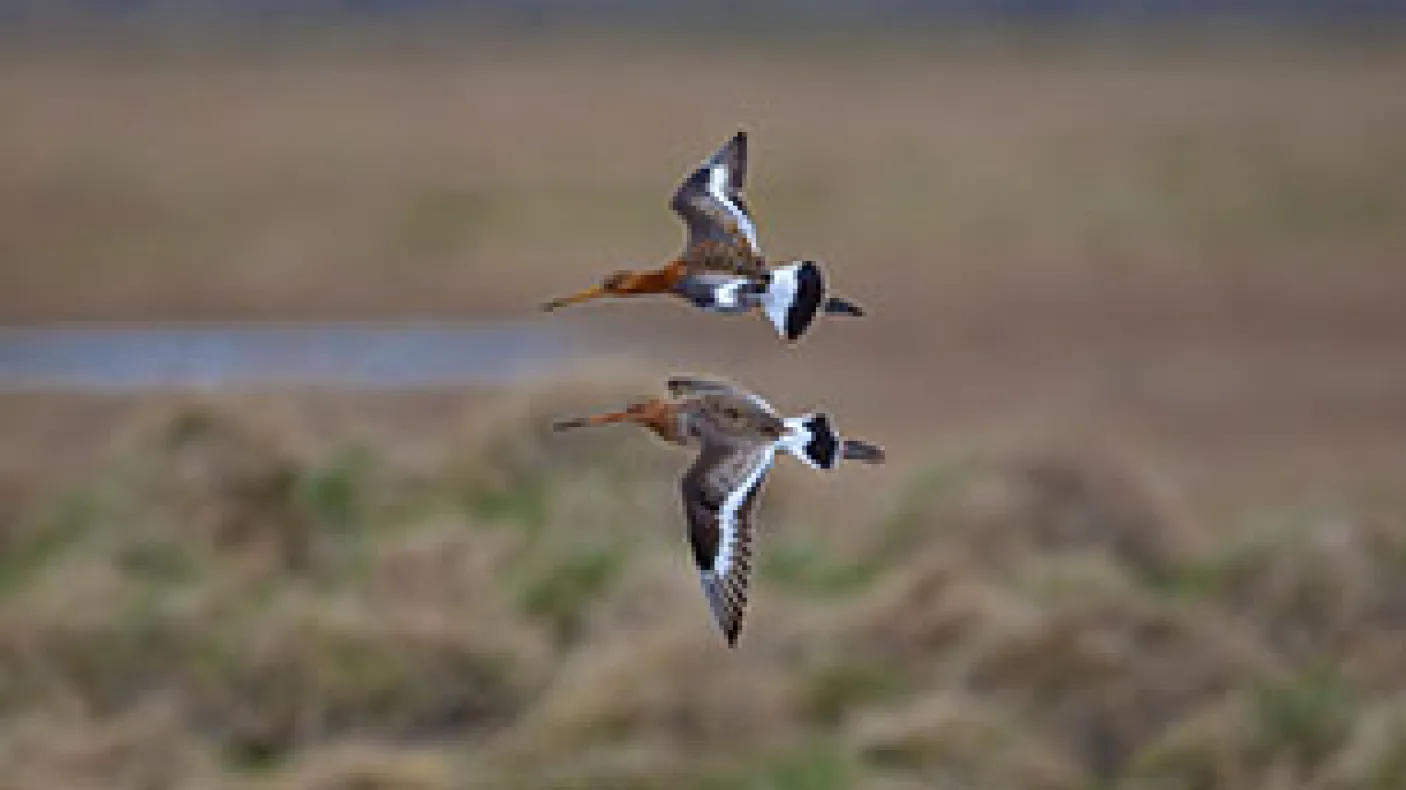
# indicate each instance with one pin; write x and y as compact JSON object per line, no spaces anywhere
{"x":666,"y":13}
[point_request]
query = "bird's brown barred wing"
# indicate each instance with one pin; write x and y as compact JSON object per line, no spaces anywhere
{"x":719,"y":494}
{"x":722,"y":235}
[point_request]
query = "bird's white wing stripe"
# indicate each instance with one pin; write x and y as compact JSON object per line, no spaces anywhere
{"x":717,"y":187}
{"x":759,"y":402}
{"x":727,"y":514}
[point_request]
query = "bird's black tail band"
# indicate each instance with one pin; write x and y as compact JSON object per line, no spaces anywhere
{"x":864,"y":452}
{"x":837,"y":306}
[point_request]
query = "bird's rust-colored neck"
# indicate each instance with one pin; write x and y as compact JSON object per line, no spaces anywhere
{"x":659,"y":416}
{"x":654,"y":281}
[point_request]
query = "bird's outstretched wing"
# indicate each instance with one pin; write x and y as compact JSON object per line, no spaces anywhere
{"x":686,"y":386}
{"x":711,"y":204}
{"x":719,"y":494}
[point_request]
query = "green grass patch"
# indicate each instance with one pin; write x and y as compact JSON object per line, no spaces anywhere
{"x":1253,"y":543}
{"x":806,"y":566}
{"x":159,"y":562}
{"x":1307,"y":715}
{"x":334,"y":493}
{"x":523,"y":503}
{"x":830,"y":690}
{"x":561,"y":593}
{"x":923,"y":496}
{"x":39,"y":539}
{"x":817,"y":766}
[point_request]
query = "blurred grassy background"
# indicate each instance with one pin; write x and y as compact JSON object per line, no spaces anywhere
{"x":1135,"y":343}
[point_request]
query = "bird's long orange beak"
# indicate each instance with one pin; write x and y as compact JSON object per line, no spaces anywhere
{"x":595,"y":419}
{"x":594,"y":292}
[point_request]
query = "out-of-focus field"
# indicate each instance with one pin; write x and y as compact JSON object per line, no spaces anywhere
{"x":1136,"y":344}
{"x":1199,"y":249}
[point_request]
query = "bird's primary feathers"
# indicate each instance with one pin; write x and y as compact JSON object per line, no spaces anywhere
{"x":722,"y":235}
{"x":719,"y":495}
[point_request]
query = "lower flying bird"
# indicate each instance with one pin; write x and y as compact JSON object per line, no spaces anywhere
{"x":721,"y":268}
{"x":739,"y":435}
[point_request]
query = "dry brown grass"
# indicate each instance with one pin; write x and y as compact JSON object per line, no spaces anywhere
{"x":1038,"y":619}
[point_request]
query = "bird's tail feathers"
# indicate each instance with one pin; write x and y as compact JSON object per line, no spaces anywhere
{"x":837,"y":306}
{"x":795,"y":294}
{"x":811,"y":438}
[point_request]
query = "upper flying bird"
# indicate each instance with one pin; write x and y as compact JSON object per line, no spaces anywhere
{"x":721,"y":268}
{"x":738,"y":434}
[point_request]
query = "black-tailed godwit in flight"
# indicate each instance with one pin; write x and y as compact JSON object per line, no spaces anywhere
{"x":738,"y":435}
{"x":721,"y":268}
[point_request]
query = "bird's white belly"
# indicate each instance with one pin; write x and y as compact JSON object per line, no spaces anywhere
{"x":720,"y":293}
{"x":728,"y":295}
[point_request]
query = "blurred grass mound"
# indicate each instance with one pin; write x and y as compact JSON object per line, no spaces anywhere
{"x":270,"y":592}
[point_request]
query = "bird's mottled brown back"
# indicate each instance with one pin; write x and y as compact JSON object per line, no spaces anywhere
{"x":731,"y":421}
{"x":717,"y":240}
{"x":731,"y":256}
